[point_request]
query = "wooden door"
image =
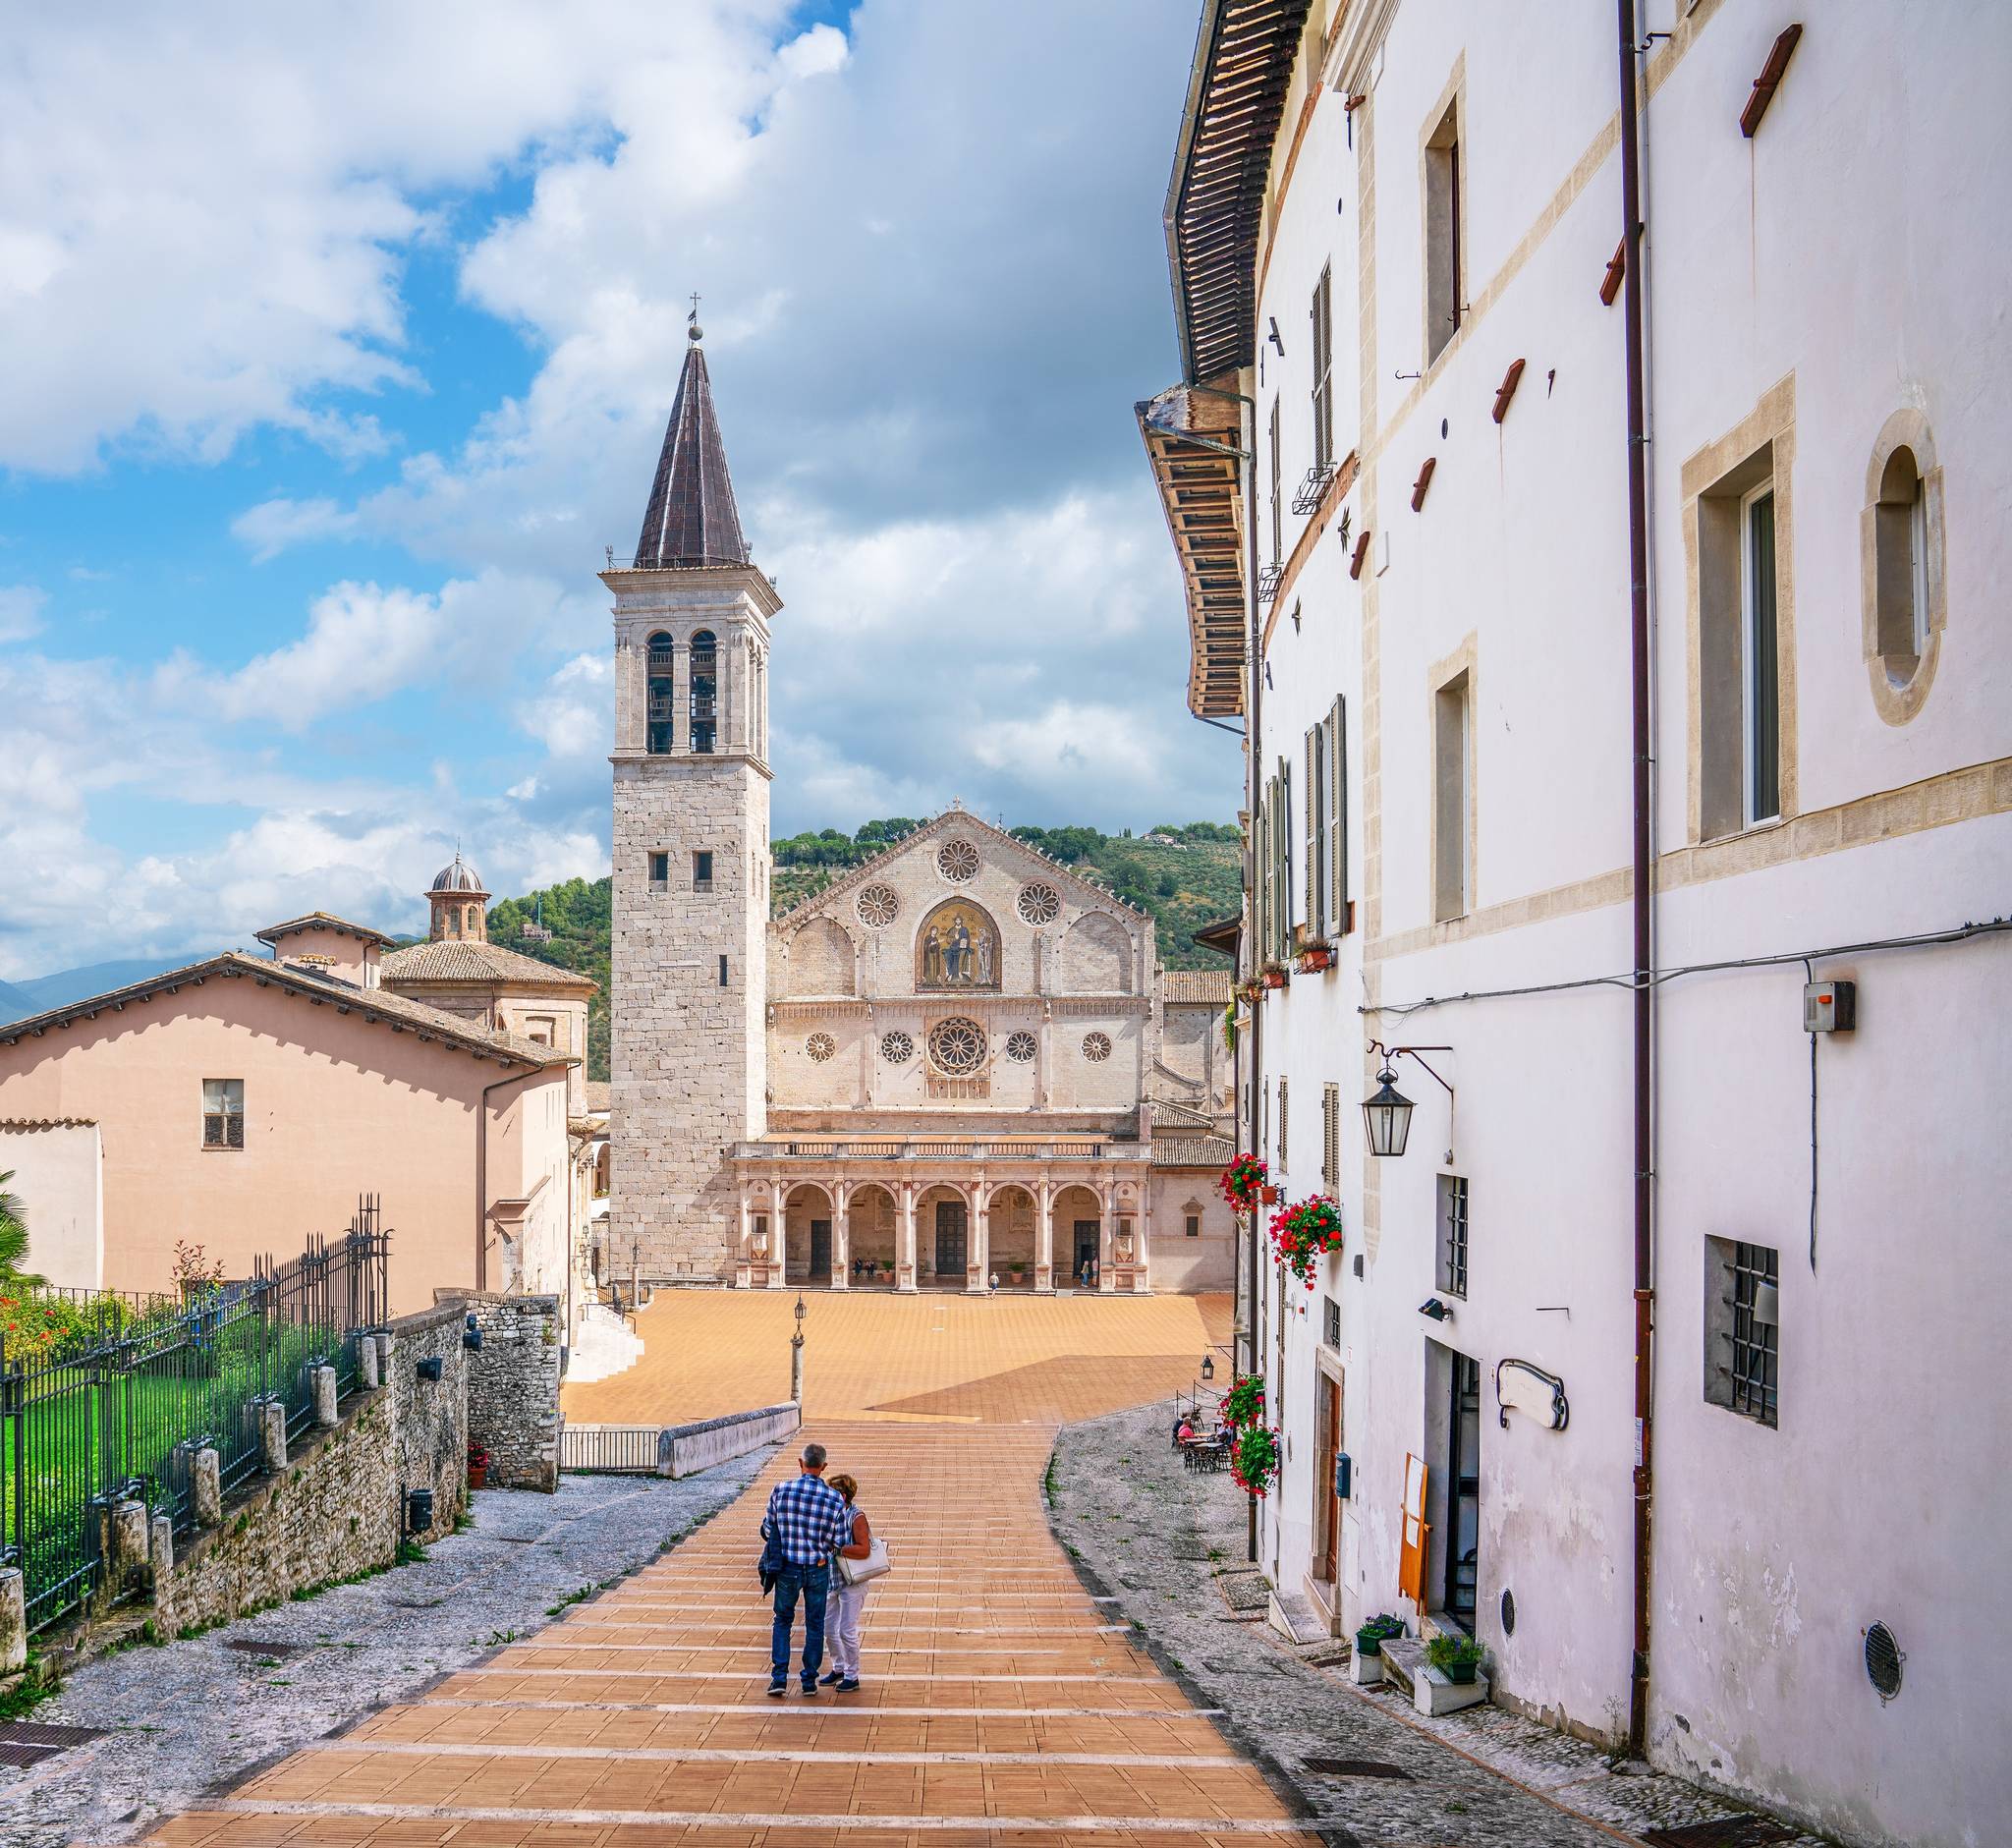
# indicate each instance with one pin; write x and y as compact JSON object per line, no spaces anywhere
{"x":821,"y":1249}
{"x":952,"y":1229}
{"x":1327,"y":1511}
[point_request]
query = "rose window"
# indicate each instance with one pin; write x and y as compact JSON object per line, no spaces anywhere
{"x":896,"y":1048}
{"x":956,"y":1046}
{"x":1020,"y":1048}
{"x":1096,"y":1047}
{"x":957,"y":861}
{"x":820,"y":1046}
{"x":877,"y":906}
{"x":1040,"y":904}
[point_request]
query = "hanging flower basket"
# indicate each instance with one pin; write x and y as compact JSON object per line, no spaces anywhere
{"x":1254,"y":1459}
{"x":1315,"y":958}
{"x":1274,"y":975}
{"x":1268,"y":1195}
{"x":1243,"y":1181}
{"x":1250,"y":989}
{"x":1305,"y":1233}
{"x":1244,"y":1404}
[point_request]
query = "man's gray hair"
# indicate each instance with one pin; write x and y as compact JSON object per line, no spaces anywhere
{"x":814,"y":1456}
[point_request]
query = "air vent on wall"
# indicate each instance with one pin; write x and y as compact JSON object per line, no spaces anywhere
{"x":1883,"y":1660}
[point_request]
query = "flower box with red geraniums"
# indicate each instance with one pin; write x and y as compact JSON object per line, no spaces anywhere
{"x":477,"y":1466}
{"x":1241,"y":1181}
{"x":1304,"y":1233}
{"x":1315,"y":958}
{"x":1254,"y":1459}
{"x":1244,"y":1403}
{"x":1274,"y":975}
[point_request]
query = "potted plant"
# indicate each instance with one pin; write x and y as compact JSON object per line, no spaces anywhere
{"x":1273,"y":975}
{"x":1244,"y":1403}
{"x":477,"y":1466}
{"x":1316,"y":957}
{"x":1243,"y":1181}
{"x":1254,"y":1459}
{"x":1454,"y":1657}
{"x":1304,"y":1233}
{"x":1372,"y":1637}
{"x":1018,"y":1272}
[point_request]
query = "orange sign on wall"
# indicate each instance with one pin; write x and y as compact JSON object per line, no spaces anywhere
{"x":1410,"y":1558}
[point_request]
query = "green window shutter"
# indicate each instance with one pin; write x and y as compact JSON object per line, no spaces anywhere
{"x":1337,"y":814}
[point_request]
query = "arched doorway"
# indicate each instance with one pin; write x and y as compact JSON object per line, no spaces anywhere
{"x":1079,"y":1238}
{"x":807,"y":1236}
{"x":872,"y":1236}
{"x":1010,"y":1237}
{"x":943,"y":1237}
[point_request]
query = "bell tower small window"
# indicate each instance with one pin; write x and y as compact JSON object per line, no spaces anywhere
{"x":662,"y":695}
{"x":705,"y":690}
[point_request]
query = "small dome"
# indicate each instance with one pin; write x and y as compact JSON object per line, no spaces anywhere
{"x":459,"y":877}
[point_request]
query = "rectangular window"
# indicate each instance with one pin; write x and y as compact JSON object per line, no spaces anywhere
{"x":541,"y":1030}
{"x":722,"y":972}
{"x":1281,"y":1126}
{"x":1453,"y":1234}
{"x":1337,"y":818}
{"x":1764,"y":672}
{"x":659,"y":871}
{"x":1193,"y":1225}
{"x":223,"y":1113}
{"x":1742,"y":1327}
{"x":1330,"y":1321}
{"x":701,"y":872}
{"x":1277,"y":497}
{"x":1452,"y":779}
{"x":1317,"y":833}
{"x":1323,"y":313}
{"x":1330,"y":1137}
{"x":1443,"y":294}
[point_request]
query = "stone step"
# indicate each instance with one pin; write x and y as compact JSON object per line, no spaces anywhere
{"x":1404,"y":1662}
{"x":1297,"y":1620}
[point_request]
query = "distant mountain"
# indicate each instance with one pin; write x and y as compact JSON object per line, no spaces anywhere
{"x":19,"y":999}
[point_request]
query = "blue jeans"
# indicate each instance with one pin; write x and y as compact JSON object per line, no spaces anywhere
{"x":813,"y":1582}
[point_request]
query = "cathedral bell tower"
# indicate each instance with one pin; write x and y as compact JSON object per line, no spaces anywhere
{"x":689,"y":978}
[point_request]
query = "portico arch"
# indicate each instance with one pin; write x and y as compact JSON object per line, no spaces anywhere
{"x":945,"y":1237}
{"x":1010,"y":1227}
{"x":1080,"y":1229}
{"x":873,"y":1235}
{"x":807,"y":1219}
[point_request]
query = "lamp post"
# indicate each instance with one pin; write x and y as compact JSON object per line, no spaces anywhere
{"x":797,"y":1356}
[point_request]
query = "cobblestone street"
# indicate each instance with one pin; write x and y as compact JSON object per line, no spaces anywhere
{"x":1169,"y":1544}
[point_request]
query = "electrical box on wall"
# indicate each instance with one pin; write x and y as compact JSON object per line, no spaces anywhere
{"x":1344,"y":1471}
{"x":1830,"y":1007}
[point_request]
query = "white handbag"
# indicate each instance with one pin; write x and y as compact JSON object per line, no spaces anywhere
{"x":858,"y":1571}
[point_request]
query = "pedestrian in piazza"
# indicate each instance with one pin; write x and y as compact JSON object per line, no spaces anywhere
{"x":849,"y":1601}
{"x":806,"y":1524}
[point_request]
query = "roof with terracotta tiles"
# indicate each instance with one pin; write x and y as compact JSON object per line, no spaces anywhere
{"x":463,"y":959}
{"x":1192,"y":1151}
{"x":1209,"y":986}
{"x":321,"y":920}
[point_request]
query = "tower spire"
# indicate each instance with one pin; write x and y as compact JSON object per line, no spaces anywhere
{"x":691,"y":519}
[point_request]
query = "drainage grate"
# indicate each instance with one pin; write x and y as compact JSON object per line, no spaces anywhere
{"x":1725,"y":1831}
{"x":24,"y":1743}
{"x":1356,"y":1767}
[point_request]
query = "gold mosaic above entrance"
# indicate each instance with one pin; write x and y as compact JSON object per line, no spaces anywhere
{"x":957,"y":948}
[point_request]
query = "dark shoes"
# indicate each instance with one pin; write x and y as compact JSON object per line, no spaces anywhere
{"x":810,"y":1687}
{"x":849,"y":1685}
{"x":831,"y":1680}
{"x":777,"y":1689}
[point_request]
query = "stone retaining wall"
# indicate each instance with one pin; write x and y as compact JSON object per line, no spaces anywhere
{"x":513,"y":1388}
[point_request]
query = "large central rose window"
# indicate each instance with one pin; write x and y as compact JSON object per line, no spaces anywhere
{"x":956,"y":1046}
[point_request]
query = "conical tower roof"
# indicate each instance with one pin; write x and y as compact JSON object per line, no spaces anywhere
{"x":691,"y":519}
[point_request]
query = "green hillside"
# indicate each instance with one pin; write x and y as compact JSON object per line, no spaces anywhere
{"x":1184,"y":876}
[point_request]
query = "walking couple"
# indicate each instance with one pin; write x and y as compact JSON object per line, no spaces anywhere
{"x":817,"y":1545}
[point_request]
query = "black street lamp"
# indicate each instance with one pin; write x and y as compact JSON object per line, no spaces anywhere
{"x":1387,"y":1115}
{"x":1208,"y":1366}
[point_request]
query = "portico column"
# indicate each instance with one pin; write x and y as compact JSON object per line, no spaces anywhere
{"x":1106,"y":1238}
{"x":841,"y":1237}
{"x":1044,"y":1237}
{"x":778,"y":1234}
{"x":1141,"y":1240}
{"x":741,"y":1250}
{"x":979,"y":1259}
{"x":905,"y":1257}
{"x":681,"y":695}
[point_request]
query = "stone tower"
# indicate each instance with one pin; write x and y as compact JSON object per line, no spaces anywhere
{"x":459,"y":902}
{"x":688,"y":979}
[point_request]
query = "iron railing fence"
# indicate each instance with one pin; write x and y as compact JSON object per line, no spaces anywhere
{"x":115,"y":1409}
{"x":608,"y":1449}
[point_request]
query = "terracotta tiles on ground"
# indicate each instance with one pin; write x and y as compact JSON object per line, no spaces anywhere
{"x":1001,"y":1704}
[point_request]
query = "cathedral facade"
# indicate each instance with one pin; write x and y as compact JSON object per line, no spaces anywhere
{"x":960,"y":1066}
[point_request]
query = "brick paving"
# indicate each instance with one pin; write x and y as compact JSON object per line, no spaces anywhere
{"x":1005,"y":1359}
{"x":1001,"y":1704}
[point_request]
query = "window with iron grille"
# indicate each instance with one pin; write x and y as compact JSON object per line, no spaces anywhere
{"x":1281,"y":1126}
{"x":223,"y":1113}
{"x":1330,"y":1137}
{"x":1330,"y":1321}
{"x":1741,"y":1331}
{"x":1453,"y":1234}
{"x":1324,"y":370}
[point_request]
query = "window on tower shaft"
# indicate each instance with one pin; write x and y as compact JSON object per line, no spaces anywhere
{"x":705,"y":690}
{"x":662,"y":695}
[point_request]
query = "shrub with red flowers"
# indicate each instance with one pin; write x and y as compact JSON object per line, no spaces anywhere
{"x":1244,"y":1404}
{"x":1254,"y":1459}
{"x":1302,"y":1233}
{"x":33,"y":1324}
{"x":1242,"y":1179}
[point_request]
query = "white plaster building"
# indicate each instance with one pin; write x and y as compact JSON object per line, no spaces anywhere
{"x":961,"y":1063}
{"x":1397,"y":231}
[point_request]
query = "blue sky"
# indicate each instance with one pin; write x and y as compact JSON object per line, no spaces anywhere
{"x":343,"y":343}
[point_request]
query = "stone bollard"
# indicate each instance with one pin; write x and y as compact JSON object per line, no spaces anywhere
{"x":129,"y":1555}
{"x":208,"y":1483}
{"x":321,"y":1381}
{"x":367,"y":1370}
{"x":384,"y":1346}
{"x":161,"y":1551}
{"x":272,"y":1435}
{"x":12,"y":1621}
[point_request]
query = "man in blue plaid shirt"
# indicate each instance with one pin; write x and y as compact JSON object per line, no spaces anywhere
{"x":805,"y":1525}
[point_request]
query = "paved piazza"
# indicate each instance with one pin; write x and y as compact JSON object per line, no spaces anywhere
{"x":1007,"y":1359}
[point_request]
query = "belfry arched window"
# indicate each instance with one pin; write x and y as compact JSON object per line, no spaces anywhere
{"x":704,"y":689}
{"x":661,"y":697}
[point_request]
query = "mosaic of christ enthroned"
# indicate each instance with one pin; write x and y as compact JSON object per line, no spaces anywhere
{"x":958,"y":947}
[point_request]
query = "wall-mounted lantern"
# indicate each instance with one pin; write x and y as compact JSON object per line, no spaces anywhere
{"x":1387,"y":1112}
{"x":1207,"y":1366}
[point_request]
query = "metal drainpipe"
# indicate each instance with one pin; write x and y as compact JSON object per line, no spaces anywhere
{"x":1642,"y":903}
{"x":1253,"y":732}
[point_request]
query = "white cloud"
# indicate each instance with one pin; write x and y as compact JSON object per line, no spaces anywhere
{"x":272,"y":525}
{"x":572,"y":715}
{"x":21,"y":611}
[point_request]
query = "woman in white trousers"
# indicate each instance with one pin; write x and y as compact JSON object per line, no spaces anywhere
{"x":842,"y":1628}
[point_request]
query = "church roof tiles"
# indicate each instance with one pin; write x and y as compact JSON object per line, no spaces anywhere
{"x":467,"y":960}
